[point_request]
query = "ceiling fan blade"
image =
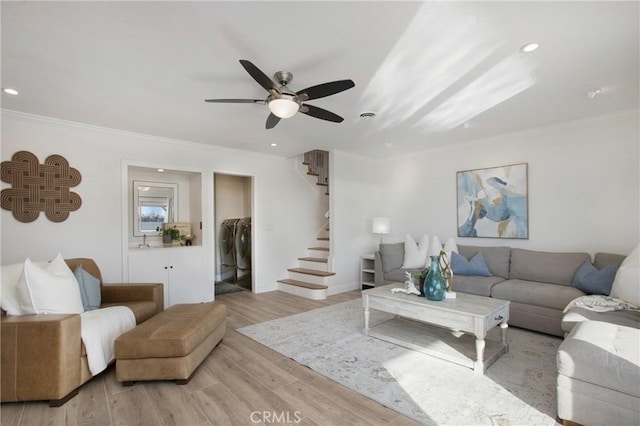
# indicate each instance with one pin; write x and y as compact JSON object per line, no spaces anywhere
{"x":237,"y":101}
{"x":272,"y":120}
{"x":325,"y":89}
{"x":259,"y":76}
{"x":320,"y":113}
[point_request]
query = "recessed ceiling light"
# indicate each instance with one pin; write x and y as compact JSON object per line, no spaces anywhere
{"x":160,"y":170}
{"x":529,"y":47}
{"x":274,"y":144}
{"x":10,"y":91}
{"x":593,"y":93}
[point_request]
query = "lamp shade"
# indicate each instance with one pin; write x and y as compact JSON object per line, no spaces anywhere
{"x":381,"y":225}
{"x":283,"y":107}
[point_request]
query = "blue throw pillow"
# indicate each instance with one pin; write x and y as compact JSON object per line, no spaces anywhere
{"x":592,"y":281}
{"x":89,"y":289}
{"x":475,"y":267}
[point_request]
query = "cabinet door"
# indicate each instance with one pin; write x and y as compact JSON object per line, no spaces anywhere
{"x":188,"y":281}
{"x":150,"y":266}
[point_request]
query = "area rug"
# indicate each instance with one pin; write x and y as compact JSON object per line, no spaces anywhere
{"x":518,"y":389}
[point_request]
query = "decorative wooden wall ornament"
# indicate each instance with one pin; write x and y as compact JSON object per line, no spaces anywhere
{"x":39,"y":188}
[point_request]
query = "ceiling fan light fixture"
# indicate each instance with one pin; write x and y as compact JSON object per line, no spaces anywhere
{"x":284,"y":106}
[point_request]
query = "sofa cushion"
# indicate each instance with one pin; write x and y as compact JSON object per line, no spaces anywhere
{"x":474,"y":267}
{"x":535,"y":293}
{"x":604,"y":354}
{"x":391,"y":256}
{"x":398,"y":274}
{"x":52,"y":290}
{"x":497,"y":258}
{"x":89,"y":289}
{"x":450,"y":247}
{"x":625,"y":285}
{"x":10,"y":274}
{"x":415,"y":254}
{"x":475,"y":285}
{"x":601,"y":259}
{"x":594,"y":281}
{"x":576,"y":315}
{"x":546,"y":267}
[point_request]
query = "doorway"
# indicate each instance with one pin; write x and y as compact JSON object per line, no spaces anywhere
{"x":233,"y":223}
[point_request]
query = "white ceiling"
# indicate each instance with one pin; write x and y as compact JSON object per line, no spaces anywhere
{"x":426,"y":69}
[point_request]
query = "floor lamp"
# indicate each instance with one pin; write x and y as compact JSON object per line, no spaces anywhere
{"x":381,"y":225}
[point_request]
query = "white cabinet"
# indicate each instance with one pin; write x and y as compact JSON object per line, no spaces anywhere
{"x":367,"y":271}
{"x":182,"y":270}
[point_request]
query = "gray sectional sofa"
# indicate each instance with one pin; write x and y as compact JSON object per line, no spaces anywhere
{"x":598,"y":362}
{"x":538,"y":284}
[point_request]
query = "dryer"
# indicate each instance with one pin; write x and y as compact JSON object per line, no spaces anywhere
{"x":243,"y":244}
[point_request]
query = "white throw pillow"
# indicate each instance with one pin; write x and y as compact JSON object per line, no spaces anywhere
{"x":415,"y":255}
{"x":10,"y":274}
{"x":626,"y":284}
{"x":449,"y":247}
{"x":435,"y":247}
{"x":53,"y":290}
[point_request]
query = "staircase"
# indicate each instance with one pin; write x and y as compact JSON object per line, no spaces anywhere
{"x":317,"y":163}
{"x":313,"y":275}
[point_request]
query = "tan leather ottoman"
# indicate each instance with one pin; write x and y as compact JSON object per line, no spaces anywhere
{"x":170,"y":345}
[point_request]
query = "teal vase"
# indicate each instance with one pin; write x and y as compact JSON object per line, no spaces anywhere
{"x":434,"y":285}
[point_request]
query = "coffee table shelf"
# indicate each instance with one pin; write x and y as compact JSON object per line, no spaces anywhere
{"x":455,"y":347}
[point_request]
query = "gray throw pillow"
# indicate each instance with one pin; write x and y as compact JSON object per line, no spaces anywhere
{"x":594,"y":281}
{"x":392,"y":256}
{"x":89,"y":289}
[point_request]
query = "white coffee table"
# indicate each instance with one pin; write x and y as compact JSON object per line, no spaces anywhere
{"x":455,"y":320}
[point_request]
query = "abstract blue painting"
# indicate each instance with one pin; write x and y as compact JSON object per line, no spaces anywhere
{"x":493,"y":202}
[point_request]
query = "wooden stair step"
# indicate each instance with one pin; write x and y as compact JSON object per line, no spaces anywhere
{"x":322,"y":184}
{"x":318,"y":248}
{"x":313,"y":174}
{"x":315,"y":259}
{"x":312,"y":272}
{"x":323,"y":238}
{"x":304,"y":284}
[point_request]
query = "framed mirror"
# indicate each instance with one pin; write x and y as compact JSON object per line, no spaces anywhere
{"x":154,"y":204}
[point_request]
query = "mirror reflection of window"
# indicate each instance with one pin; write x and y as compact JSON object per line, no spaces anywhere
{"x":153,"y":213}
{"x":154,"y":205}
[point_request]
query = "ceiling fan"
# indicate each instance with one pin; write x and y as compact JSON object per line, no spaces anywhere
{"x":283,"y":102}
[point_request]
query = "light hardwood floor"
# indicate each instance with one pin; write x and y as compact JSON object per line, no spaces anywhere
{"x":240,"y":383}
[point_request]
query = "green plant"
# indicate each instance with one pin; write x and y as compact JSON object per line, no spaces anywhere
{"x":174,"y":232}
{"x":420,"y":276}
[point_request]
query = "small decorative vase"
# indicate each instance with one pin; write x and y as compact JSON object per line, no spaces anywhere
{"x":434,"y":284}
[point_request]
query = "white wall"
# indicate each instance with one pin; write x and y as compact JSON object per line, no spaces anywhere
{"x":95,"y":230}
{"x":583,"y":183}
{"x":354,"y":183}
{"x":583,"y":193}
